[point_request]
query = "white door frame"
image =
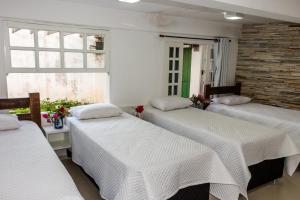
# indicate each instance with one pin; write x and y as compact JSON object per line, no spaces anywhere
{"x":180,"y":44}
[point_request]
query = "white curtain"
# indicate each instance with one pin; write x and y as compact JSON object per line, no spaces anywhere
{"x":220,"y":64}
{"x":201,"y":61}
{"x":206,"y":65}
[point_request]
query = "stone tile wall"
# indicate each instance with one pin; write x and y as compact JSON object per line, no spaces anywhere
{"x":269,"y":64}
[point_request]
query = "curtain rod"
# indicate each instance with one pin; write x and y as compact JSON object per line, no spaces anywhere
{"x":191,"y":38}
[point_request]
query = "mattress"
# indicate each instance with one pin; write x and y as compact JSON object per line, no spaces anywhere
{"x":279,"y":118}
{"x":131,"y":159}
{"x":30,"y":169}
{"x":238,"y":143}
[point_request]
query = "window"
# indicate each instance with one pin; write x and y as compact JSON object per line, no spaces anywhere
{"x":84,"y":87}
{"x":57,"y":61}
{"x":43,"y":48}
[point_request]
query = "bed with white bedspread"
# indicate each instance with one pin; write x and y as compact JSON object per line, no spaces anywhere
{"x":131,"y":159}
{"x":239,"y":143}
{"x":30,"y":169}
{"x":270,"y":116}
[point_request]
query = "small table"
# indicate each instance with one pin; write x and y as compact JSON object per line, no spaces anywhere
{"x":59,"y":139}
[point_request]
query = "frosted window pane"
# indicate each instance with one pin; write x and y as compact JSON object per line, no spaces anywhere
{"x":177,"y":52}
{"x":171,"y":52}
{"x":85,"y":87}
{"x":48,"y":39}
{"x":95,"y":60}
{"x":73,"y":60}
{"x":175,"y":92}
{"x":21,"y":37}
{"x":95,"y":42}
{"x":22,"y":59}
{"x":73,"y":41}
{"x":49,"y":59}
{"x":169,"y":90}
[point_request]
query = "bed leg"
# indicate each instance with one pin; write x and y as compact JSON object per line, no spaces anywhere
{"x":275,"y":181}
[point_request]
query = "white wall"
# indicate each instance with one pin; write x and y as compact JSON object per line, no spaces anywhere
{"x":3,"y":93}
{"x":136,"y":67}
{"x":137,"y":53}
{"x":195,"y":72}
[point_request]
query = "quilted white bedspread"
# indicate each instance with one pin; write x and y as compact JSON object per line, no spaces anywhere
{"x":131,"y":159}
{"x":239,"y":143}
{"x":30,"y":169}
{"x":274,"y":117}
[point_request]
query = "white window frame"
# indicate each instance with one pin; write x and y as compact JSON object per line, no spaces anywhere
{"x":59,"y":28}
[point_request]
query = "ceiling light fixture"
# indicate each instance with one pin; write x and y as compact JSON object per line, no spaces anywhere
{"x":129,"y":1}
{"x":233,"y":16}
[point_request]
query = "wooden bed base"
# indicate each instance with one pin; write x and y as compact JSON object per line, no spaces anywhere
{"x":32,"y":102}
{"x":265,"y":171}
{"x":197,"y":192}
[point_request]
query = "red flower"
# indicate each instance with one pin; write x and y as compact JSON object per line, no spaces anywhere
{"x":62,"y":109}
{"x":139,"y":109}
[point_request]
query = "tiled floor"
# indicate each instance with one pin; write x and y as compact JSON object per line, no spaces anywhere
{"x":287,"y":188}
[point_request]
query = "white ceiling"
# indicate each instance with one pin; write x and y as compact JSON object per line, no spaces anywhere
{"x":167,"y":7}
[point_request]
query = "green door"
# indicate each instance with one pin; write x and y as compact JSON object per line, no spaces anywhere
{"x":186,"y":72}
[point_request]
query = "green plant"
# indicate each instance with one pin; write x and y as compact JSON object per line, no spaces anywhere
{"x":47,"y":105}
{"x":19,"y":111}
{"x":50,"y":106}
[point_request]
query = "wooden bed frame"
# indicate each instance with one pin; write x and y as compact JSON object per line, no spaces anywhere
{"x":265,"y":171}
{"x":209,"y":90}
{"x":32,"y":102}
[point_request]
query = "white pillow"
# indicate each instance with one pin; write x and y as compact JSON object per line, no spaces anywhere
{"x":9,"y":122}
{"x":95,"y":111}
{"x":232,"y":100}
{"x":171,"y":103}
{"x":4,"y":111}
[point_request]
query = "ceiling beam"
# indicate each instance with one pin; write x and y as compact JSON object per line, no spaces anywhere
{"x":287,"y":10}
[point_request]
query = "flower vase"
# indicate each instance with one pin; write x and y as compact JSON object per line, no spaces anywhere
{"x":59,"y":123}
{"x":138,"y":115}
{"x":205,"y":105}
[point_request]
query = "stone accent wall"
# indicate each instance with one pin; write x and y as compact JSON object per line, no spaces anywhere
{"x":269,"y":64}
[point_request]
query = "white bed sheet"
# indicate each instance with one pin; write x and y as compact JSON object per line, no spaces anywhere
{"x":270,"y":116}
{"x":239,"y":143}
{"x":131,"y":159}
{"x":30,"y":169}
